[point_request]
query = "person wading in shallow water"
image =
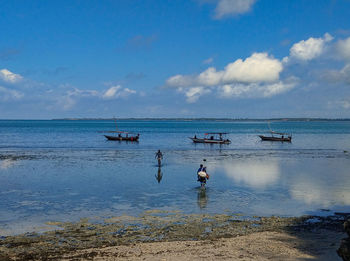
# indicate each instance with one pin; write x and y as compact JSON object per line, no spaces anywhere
{"x":159,"y":157}
{"x":202,"y":175}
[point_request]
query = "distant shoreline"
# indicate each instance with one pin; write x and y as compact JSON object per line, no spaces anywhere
{"x":189,"y":119}
{"x":204,"y":119}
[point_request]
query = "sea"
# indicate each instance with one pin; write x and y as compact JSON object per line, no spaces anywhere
{"x":66,"y":170}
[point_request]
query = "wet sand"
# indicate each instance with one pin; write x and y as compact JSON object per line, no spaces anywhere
{"x":158,"y":235}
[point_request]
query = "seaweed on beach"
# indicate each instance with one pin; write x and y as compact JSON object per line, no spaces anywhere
{"x":151,"y":227}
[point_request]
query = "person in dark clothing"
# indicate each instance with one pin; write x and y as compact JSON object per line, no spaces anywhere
{"x":202,"y":179}
{"x":159,"y":157}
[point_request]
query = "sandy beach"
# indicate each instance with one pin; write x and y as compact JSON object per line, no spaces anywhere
{"x":201,"y":237}
{"x":256,"y":246}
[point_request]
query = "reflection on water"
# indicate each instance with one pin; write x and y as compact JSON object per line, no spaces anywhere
{"x":326,"y":185}
{"x":65,"y":170}
{"x":159,"y":175}
{"x":7,"y":163}
{"x":202,"y":198}
{"x":66,"y":185}
{"x":253,"y":173}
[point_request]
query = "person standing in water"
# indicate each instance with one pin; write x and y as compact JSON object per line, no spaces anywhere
{"x":202,"y":175}
{"x":159,"y":157}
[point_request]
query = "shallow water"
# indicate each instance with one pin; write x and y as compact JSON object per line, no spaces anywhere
{"x":66,"y":170}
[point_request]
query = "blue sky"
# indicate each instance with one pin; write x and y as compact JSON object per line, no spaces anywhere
{"x":160,"y":58}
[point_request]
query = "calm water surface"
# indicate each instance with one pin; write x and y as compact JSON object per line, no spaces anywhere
{"x":66,"y":170}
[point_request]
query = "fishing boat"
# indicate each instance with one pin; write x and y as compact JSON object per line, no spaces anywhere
{"x":212,"y":138}
{"x":277,"y":136}
{"x":123,"y":136}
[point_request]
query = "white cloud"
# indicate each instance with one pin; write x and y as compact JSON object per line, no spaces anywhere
{"x":341,"y":76}
{"x":225,"y":8}
{"x":256,"y":90}
{"x":309,"y":49}
{"x":116,"y":92}
{"x":110,"y":93}
{"x":9,"y":77}
{"x":7,"y":94}
{"x":256,"y":76}
{"x":180,"y":81}
{"x":259,"y":67}
{"x":209,"y":77}
{"x":343,"y":48}
{"x":69,"y":100}
{"x":193,"y":94}
{"x":71,"y":97}
{"x":126,"y":92}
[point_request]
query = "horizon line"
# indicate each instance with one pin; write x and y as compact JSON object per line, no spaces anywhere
{"x":191,"y":118}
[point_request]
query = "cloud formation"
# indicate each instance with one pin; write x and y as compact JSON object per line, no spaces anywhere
{"x":257,"y":90}
{"x":227,"y":8}
{"x":193,"y":94}
{"x":309,"y":49}
{"x":260,"y":75}
{"x":343,"y":48}
{"x":259,"y":67}
{"x":9,"y":77}
{"x":341,"y":76}
{"x":256,"y":76}
{"x":7,"y":94}
{"x":116,"y":92}
{"x":71,"y":97}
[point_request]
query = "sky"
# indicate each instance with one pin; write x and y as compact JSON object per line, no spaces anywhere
{"x":174,"y":58}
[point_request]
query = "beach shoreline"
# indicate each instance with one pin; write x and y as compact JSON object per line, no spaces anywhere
{"x":175,"y":236}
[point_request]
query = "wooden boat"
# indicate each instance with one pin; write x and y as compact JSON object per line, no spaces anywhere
{"x":212,"y":138}
{"x":123,"y":136}
{"x":277,"y":136}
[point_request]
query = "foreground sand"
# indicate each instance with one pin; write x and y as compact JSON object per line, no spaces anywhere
{"x":160,"y":235}
{"x":256,"y":246}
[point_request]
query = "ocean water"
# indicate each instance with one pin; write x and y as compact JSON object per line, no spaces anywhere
{"x":64,"y":170}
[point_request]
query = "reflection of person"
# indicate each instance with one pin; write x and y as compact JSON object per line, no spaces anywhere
{"x":202,"y":198}
{"x":159,"y":175}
